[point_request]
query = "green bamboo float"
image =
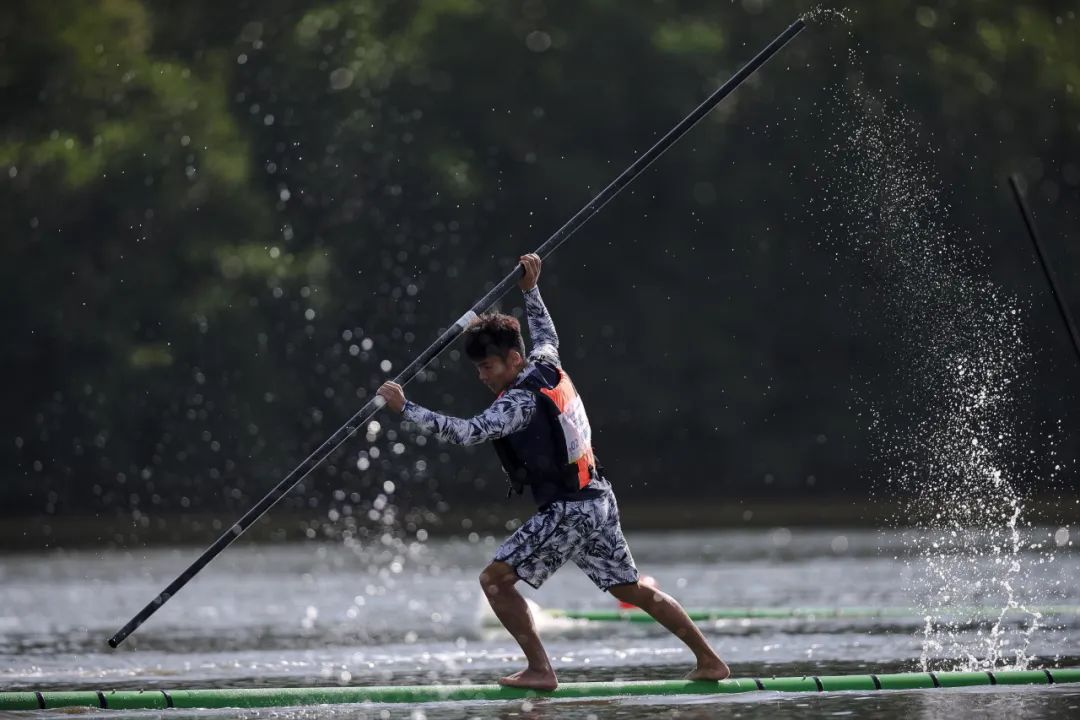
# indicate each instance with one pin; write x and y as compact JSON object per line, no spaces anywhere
{"x":809,"y":613}
{"x":288,"y":697}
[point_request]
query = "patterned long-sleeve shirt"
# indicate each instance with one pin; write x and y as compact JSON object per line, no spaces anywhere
{"x":515,"y":408}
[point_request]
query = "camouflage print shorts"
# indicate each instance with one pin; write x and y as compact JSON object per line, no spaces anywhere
{"x":585,"y":531}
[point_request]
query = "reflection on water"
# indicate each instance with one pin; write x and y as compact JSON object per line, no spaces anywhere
{"x":295,"y":615}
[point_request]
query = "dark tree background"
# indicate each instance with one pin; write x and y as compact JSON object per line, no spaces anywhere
{"x":225,"y":223}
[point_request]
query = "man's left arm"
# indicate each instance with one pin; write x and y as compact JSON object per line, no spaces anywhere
{"x":545,"y":341}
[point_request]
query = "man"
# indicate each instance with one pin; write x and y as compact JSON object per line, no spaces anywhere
{"x":542,"y":436}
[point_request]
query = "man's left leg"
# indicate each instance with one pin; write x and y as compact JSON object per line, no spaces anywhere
{"x":667,"y":611}
{"x":606,"y":559}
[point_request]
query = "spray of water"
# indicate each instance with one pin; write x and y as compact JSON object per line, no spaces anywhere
{"x":951,"y":435}
{"x":819,"y":14}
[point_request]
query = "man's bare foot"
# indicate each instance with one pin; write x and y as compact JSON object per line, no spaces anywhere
{"x":713,"y":670}
{"x":531,"y":679}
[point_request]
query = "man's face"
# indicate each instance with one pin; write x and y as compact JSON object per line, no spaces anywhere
{"x":497,"y":373}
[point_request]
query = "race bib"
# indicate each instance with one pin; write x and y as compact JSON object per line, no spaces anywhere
{"x":576,"y":430}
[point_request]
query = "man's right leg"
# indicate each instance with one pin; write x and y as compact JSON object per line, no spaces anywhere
{"x":498,"y":580}
{"x":667,"y":611}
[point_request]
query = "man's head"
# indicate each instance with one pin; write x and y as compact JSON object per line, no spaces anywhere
{"x":494,"y":344}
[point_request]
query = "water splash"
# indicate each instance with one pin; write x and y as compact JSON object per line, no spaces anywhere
{"x":953,"y":430}
{"x":819,"y":13}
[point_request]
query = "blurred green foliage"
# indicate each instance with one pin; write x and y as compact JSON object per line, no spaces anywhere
{"x":223,"y":221}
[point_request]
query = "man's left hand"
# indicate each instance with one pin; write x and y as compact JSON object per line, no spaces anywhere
{"x":529,"y":278}
{"x":394,"y":396}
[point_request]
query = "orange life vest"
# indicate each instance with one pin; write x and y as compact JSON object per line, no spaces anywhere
{"x":553,"y":453}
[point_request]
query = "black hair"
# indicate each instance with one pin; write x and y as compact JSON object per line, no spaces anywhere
{"x":493,"y":335}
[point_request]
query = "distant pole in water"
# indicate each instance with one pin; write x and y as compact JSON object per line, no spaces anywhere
{"x":1033,"y":232}
{"x":349,"y":429}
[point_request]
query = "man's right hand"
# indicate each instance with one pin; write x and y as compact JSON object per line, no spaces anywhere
{"x":394,"y":396}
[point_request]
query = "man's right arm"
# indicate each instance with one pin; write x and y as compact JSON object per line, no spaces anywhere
{"x":507,"y":415}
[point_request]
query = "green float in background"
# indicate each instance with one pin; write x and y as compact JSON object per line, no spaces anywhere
{"x":806,"y":613}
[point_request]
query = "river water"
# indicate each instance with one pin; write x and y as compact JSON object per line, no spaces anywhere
{"x":401,"y":612}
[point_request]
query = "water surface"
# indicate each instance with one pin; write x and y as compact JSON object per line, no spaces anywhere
{"x":396,"y":612}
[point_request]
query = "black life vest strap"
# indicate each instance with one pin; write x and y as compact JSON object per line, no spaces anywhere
{"x":508,"y":460}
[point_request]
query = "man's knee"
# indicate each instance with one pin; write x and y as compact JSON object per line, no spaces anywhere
{"x":497,"y":577}
{"x":636,"y":594}
{"x":627,"y":592}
